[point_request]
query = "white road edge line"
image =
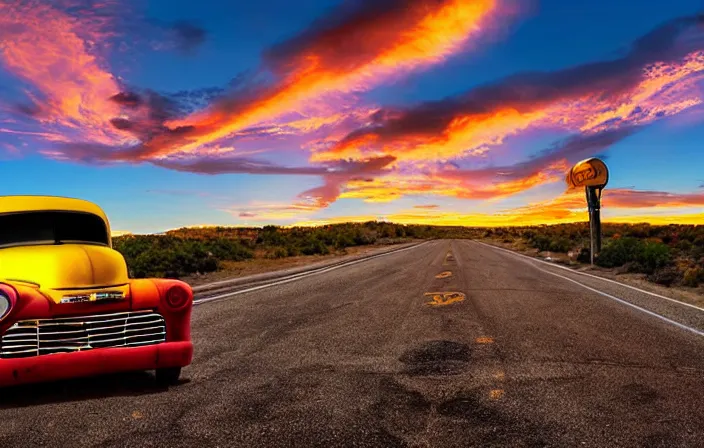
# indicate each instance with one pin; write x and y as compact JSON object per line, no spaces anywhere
{"x":624,"y":302}
{"x":661,"y":317}
{"x":302,"y":275}
{"x":593,"y":276}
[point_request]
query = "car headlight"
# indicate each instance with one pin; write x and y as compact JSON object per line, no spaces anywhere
{"x":8,"y":297}
{"x":4,"y":304}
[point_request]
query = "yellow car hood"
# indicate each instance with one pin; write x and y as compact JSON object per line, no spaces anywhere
{"x":64,"y":266}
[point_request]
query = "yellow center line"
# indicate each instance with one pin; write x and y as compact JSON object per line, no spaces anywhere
{"x":484,"y":340}
{"x":495,"y":394}
{"x":445,"y":274}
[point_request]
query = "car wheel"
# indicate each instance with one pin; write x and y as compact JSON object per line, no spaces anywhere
{"x":168,"y":376}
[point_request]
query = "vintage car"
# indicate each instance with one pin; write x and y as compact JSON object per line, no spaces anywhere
{"x":67,"y":305}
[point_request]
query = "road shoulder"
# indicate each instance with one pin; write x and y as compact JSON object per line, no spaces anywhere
{"x":689,"y":296}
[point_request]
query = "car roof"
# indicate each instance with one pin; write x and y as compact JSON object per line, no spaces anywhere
{"x":29,"y":203}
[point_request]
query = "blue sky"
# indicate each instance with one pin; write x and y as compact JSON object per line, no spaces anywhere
{"x":270,"y":169}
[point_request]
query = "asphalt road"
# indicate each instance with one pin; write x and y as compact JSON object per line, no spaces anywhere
{"x":503,"y":351}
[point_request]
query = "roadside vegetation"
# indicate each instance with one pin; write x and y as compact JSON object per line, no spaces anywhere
{"x":182,"y":252}
{"x":668,"y":255}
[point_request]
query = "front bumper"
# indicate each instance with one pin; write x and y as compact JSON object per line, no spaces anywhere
{"x":97,"y":361}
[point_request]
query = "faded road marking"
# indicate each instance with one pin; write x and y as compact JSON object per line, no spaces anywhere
{"x":484,"y":340}
{"x":448,"y":257}
{"x":500,"y":375}
{"x":137,"y":415}
{"x":445,"y":298}
{"x":445,"y":274}
{"x":495,"y":394}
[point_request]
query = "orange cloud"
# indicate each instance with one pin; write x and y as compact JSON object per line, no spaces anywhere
{"x":48,"y":49}
{"x":464,"y":184}
{"x":572,"y":205}
{"x":271,"y":212}
{"x":344,"y":53}
{"x":623,"y":198}
{"x":564,"y":209}
{"x":650,"y":82}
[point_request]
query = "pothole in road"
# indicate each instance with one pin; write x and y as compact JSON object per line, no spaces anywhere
{"x":436,"y":358}
{"x":469,"y":406}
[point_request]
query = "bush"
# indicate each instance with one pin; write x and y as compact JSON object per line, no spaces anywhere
{"x":632,"y":267}
{"x":278,"y":252}
{"x":619,"y":252}
{"x":585,"y":255}
{"x":665,"y":276}
{"x":693,"y":277}
{"x":315,"y":247}
{"x":562,"y":245}
{"x":541,"y":242}
{"x":650,"y":256}
{"x":653,"y":256}
{"x":226,"y":249}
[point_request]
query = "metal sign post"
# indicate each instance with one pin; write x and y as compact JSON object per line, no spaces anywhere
{"x":593,"y":175}
{"x":594,"y":204}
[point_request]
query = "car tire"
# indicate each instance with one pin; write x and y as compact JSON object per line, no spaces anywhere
{"x":168,"y":376}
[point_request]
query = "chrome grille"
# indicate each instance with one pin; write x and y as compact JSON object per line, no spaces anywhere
{"x":70,"y":334}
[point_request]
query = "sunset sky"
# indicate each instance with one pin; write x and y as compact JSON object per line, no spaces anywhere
{"x":172,"y":113}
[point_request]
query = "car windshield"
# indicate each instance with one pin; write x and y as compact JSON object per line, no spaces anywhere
{"x":51,"y":227}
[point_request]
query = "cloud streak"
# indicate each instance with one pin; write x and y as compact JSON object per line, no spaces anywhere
{"x":70,"y":86}
{"x":654,"y":79}
{"x":355,"y":47}
{"x":569,"y":207}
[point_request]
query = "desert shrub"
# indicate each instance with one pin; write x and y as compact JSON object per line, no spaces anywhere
{"x":163,"y":256}
{"x":271,"y":236}
{"x":631,"y":267}
{"x":315,"y":247}
{"x":293,"y":251}
{"x":225,"y":249}
{"x":653,"y":256}
{"x":619,"y":252}
{"x":541,"y":242}
{"x":665,"y":276}
{"x":277,"y":252}
{"x":693,"y":277}
{"x":684,"y":246}
{"x":585,"y":255}
{"x":344,"y":240}
{"x":560,"y":245}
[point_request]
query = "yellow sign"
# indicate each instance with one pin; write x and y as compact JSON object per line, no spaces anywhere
{"x":588,"y":173}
